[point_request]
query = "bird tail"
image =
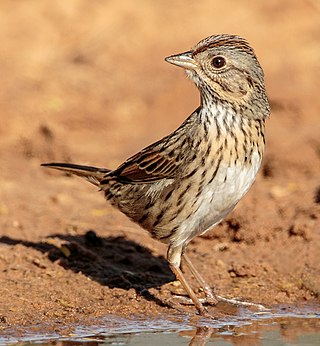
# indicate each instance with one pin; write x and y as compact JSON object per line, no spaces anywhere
{"x":93,"y":174}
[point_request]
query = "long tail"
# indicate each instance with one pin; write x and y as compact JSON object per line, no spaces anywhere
{"x":93,"y":174}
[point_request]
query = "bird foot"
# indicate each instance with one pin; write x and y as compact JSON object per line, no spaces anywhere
{"x":177,"y":301}
{"x":216,"y":299}
{"x":234,"y":301}
{"x":188,"y":301}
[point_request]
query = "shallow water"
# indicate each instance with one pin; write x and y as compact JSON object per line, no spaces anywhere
{"x":283,"y":326}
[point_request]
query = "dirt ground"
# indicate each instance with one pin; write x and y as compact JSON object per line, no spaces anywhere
{"x":85,"y":81}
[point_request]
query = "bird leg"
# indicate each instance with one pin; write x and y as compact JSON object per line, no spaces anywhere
{"x":174,"y":259}
{"x":211,"y":298}
{"x":178,"y":273}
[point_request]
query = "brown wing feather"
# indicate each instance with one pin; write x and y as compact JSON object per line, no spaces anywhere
{"x":160,"y":160}
{"x":146,"y":166}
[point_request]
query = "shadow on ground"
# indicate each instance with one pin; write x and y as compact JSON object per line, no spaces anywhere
{"x":112,"y":261}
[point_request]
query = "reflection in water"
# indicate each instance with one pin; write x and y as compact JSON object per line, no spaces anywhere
{"x":278,"y":331}
{"x":201,"y":336}
{"x":282,"y":328}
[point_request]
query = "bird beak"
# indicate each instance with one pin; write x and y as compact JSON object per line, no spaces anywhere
{"x":184,"y":60}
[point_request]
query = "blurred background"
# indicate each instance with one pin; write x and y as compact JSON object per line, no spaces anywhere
{"x":87,"y":81}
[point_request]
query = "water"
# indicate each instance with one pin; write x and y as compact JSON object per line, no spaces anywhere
{"x":285,"y":326}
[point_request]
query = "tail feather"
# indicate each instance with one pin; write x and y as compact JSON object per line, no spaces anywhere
{"x":93,"y":174}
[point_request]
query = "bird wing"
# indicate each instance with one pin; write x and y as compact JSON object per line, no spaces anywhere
{"x":147,"y":166}
{"x":160,"y":160}
{"x":154,"y":163}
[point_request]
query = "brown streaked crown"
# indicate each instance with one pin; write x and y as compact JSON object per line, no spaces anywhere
{"x":234,"y":41}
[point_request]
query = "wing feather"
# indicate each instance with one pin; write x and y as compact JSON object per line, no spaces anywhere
{"x":148,"y":166}
{"x":160,"y":160}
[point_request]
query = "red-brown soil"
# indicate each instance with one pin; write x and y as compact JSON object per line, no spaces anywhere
{"x":84,"y":81}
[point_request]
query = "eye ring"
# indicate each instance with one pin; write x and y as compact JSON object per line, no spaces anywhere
{"x":218,"y":62}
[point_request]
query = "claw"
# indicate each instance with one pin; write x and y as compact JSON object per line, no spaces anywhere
{"x":207,"y":301}
{"x":237,"y":302}
{"x":188,"y":301}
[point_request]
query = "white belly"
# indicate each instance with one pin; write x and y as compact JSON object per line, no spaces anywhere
{"x":219,"y":198}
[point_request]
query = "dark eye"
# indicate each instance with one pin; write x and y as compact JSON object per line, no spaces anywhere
{"x":218,"y":62}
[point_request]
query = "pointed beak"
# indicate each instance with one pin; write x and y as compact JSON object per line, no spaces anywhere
{"x":184,"y":60}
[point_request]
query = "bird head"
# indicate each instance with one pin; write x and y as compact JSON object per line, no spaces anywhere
{"x":226,"y":69}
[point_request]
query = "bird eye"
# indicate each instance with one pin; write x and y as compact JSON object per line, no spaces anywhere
{"x":218,"y":62}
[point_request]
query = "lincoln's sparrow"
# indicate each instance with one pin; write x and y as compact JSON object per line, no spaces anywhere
{"x":187,"y":182}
